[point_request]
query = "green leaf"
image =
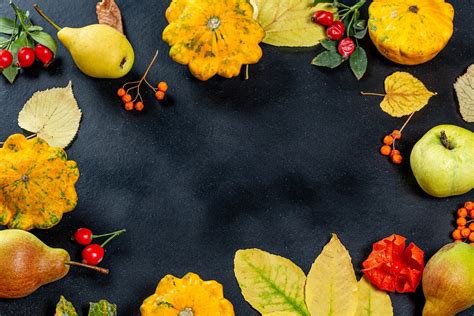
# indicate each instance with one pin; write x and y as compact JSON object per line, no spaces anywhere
{"x":273,"y":285}
{"x":65,"y":308}
{"x":10,"y":73}
{"x":34,"y":28}
{"x":45,"y":39}
{"x":329,"y":45}
{"x":330,"y":59}
{"x":358,"y":62}
{"x":360,"y":25}
{"x":102,"y":308}
{"x":360,"y":34}
{"x":7,"y":26}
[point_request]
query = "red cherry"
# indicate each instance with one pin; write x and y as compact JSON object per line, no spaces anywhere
{"x":322,"y":17}
{"x":93,"y":254}
{"x":335,"y":31}
{"x":26,"y":57}
{"x":346,"y":47}
{"x":83,"y":236}
{"x":44,"y":54}
{"x":6,"y":59}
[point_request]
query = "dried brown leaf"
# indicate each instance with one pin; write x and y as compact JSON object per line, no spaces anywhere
{"x":108,"y":13}
{"x":464,"y":87}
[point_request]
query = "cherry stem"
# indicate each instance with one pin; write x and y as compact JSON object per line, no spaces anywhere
{"x":112,"y":237}
{"x":83,"y":265}
{"x":109,"y":234}
{"x":44,"y":16}
{"x":373,"y":94}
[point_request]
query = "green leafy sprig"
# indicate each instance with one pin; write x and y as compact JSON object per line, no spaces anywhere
{"x":18,"y":33}
{"x":356,"y":28}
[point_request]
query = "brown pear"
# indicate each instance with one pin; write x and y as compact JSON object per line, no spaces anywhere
{"x":26,"y":263}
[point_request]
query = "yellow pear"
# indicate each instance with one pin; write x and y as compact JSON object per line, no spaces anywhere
{"x":98,"y":50}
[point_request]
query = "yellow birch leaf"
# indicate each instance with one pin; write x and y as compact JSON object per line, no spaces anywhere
{"x":288,"y":22}
{"x":373,"y":301}
{"x":464,"y":87}
{"x":273,"y":285}
{"x":53,"y":115}
{"x":331,"y":286}
{"x":405,"y":94}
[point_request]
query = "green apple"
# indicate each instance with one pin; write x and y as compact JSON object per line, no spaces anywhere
{"x":443,"y":161}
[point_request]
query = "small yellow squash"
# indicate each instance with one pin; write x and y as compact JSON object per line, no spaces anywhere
{"x":410,"y":32}
{"x":36,"y":183}
{"x":189,"y":296}
{"x":213,"y":36}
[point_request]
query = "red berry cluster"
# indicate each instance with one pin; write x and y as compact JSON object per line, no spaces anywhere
{"x":388,"y":148}
{"x":335,"y":31}
{"x":26,"y":56}
{"x":93,"y":254}
{"x":465,"y":221}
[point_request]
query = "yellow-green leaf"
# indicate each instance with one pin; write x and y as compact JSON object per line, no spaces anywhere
{"x":273,"y":285}
{"x":53,"y":115}
{"x":331,"y":286}
{"x":405,"y":94}
{"x":65,"y":308}
{"x":288,"y":22}
{"x":372,"y":301}
{"x":102,"y":308}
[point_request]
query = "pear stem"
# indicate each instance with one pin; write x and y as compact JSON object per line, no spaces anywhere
{"x":44,"y":16}
{"x":83,"y":265}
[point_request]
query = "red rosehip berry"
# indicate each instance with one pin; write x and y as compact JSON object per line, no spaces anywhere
{"x":6,"y":59}
{"x":322,"y":17}
{"x":93,"y":254}
{"x":44,"y":54}
{"x":335,"y":31}
{"x":26,"y":57}
{"x":346,"y":47}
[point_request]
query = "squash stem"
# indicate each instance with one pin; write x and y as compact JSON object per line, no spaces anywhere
{"x":83,"y":265}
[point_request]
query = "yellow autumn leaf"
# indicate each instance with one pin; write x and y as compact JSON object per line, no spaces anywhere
{"x":331,"y":286}
{"x":405,"y":94}
{"x":288,"y":22}
{"x":373,"y":301}
{"x":464,"y":87}
{"x":273,"y":285}
{"x":53,"y":115}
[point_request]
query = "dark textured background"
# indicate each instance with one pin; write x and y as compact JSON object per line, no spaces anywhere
{"x":277,"y":162}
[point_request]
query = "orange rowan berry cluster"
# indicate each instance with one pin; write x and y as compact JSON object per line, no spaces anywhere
{"x":388,"y":148}
{"x":136,"y":102}
{"x":465,"y":221}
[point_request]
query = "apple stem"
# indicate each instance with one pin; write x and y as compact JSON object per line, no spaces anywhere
{"x":83,"y":265}
{"x":444,"y":140}
{"x":44,"y":16}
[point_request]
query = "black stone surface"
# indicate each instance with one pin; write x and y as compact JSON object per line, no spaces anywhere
{"x":277,"y":162}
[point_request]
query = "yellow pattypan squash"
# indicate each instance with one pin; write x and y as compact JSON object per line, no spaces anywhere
{"x":189,"y":296}
{"x":36,"y":183}
{"x":213,"y":36}
{"x":410,"y":32}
